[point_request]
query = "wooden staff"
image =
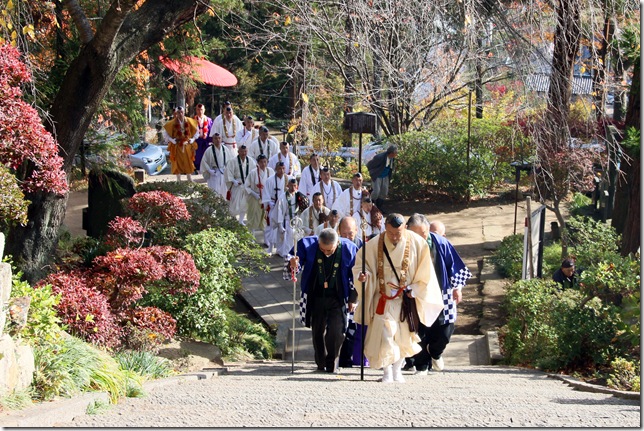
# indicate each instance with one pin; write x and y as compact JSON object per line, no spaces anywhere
{"x":363,"y":226}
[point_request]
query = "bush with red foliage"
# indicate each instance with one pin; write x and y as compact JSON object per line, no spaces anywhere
{"x":84,"y":310}
{"x":23,"y":138}
{"x":181,"y":274}
{"x":157,"y":209}
{"x":124,"y":232}
{"x":156,"y":323}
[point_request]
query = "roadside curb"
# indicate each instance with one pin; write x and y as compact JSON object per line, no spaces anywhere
{"x":589,"y":387}
{"x":49,"y":413}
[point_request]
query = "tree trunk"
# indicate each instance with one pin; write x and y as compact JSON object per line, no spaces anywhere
{"x":122,"y":34}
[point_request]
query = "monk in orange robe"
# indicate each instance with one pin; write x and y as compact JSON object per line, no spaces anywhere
{"x":180,"y":134}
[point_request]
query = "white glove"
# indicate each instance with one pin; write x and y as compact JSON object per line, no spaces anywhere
{"x":191,"y":141}
{"x":174,"y":141}
{"x":213,"y":171}
{"x":254,"y":194}
{"x":235,"y":182}
{"x":282,"y":229}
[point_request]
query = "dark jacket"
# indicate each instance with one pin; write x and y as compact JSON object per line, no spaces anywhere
{"x":377,"y":165}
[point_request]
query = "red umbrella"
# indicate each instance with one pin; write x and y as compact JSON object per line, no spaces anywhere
{"x":201,"y":70}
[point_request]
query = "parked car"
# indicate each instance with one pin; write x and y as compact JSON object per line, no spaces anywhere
{"x":148,"y":157}
{"x":368,"y":151}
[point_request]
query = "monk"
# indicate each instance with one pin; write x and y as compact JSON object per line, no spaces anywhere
{"x":181,"y":133}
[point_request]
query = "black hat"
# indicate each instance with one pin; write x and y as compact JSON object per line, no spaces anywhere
{"x":261,"y":157}
{"x":324,"y":169}
{"x":568,"y":263}
{"x":357,"y":175}
{"x":292,"y":181}
{"x":280,"y":164}
{"x":395,"y":220}
{"x":242,"y":147}
{"x":263,"y":129}
{"x":216,"y":134}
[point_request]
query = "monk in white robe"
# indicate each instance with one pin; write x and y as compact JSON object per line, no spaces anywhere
{"x":312,"y":215}
{"x":237,"y":170}
{"x":332,"y":221}
{"x":367,"y":217}
{"x":330,"y":189}
{"x":310,"y":177}
{"x":349,"y":200}
{"x":275,"y":186}
{"x":247,"y":135}
{"x":389,"y":340}
{"x":256,"y":188}
{"x":281,"y":216}
{"x":227,"y":126}
{"x":263,"y":144}
{"x":292,"y":166}
{"x":213,"y":166}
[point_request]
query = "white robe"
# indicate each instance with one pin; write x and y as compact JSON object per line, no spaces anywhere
{"x":310,"y":219}
{"x":324,"y":226}
{"x":246,"y":137}
{"x":256,"y":215}
{"x":343,"y":203}
{"x":281,"y":220}
{"x":370,"y":230}
{"x":274,"y":188}
{"x":239,"y":197}
{"x":214,"y":175}
{"x":330,"y":192}
{"x":269,"y":151}
{"x":388,"y":339}
{"x":292,"y":167}
{"x":228,"y":131}
{"x":309,"y":181}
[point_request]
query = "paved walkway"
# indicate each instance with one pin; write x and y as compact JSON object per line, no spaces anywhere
{"x":269,"y":395}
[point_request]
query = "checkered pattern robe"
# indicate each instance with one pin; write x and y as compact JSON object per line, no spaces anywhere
{"x":451,"y":271}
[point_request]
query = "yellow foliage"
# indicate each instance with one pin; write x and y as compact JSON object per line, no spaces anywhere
{"x":305,"y":98}
{"x":287,"y":21}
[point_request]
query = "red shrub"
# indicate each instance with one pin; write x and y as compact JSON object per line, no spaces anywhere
{"x":124,"y":232}
{"x":180,"y":270}
{"x":84,"y":310}
{"x":158,"y":324}
{"x":158,"y":208}
{"x":23,"y":138}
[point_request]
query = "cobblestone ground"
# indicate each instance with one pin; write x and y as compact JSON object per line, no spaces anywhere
{"x":269,"y":395}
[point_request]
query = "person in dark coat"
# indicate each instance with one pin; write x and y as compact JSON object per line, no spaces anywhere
{"x":328,"y":295}
{"x":381,"y":168}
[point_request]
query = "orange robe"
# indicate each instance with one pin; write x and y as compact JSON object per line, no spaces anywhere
{"x":182,"y":154}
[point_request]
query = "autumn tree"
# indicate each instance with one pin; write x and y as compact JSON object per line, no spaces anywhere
{"x":107,"y":43}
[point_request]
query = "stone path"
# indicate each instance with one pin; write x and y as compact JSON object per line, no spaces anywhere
{"x":268,"y":395}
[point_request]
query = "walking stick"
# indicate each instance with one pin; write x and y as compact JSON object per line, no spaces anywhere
{"x":298,"y":232}
{"x":363,"y":226}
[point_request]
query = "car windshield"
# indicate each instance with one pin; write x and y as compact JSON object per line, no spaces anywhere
{"x":139,"y":146}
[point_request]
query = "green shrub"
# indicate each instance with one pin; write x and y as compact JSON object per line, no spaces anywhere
{"x":70,"y":366}
{"x":528,"y":334}
{"x":508,"y":258}
{"x":43,"y":324}
{"x":585,"y":234}
{"x":252,"y":338}
{"x":144,"y":363}
{"x":554,"y":330}
{"x":580,"y":205}
{"x":435,"y":159}
{"x":625,"y":375}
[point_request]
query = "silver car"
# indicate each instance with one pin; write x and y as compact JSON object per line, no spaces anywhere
{"x":148,"y":157}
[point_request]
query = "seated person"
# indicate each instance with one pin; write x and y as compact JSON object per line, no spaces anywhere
{"x":566,"y":275}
